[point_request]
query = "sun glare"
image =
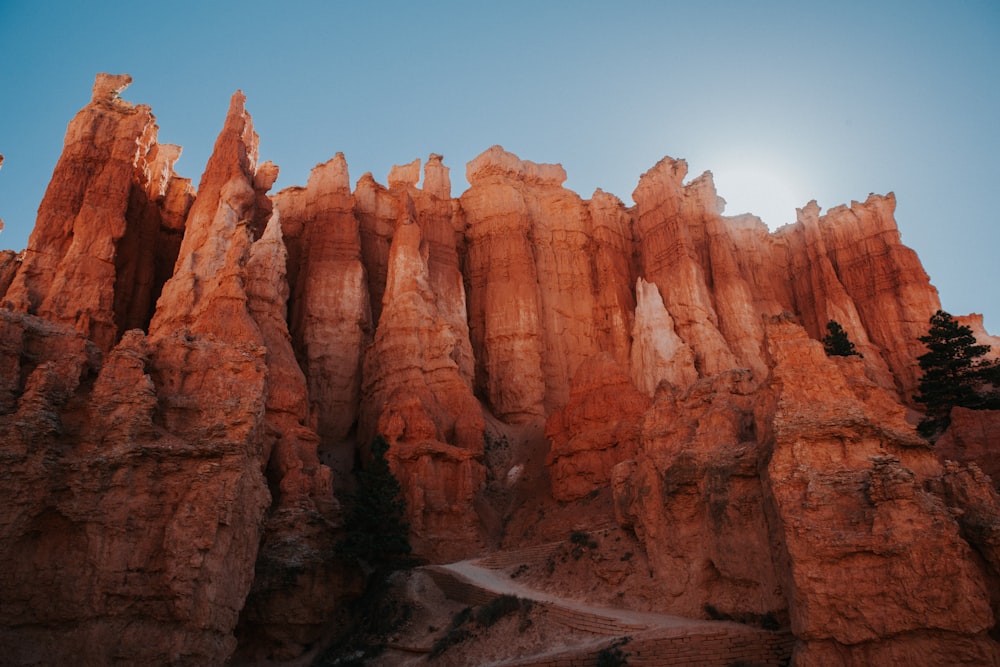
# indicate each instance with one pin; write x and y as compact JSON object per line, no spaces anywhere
{"x":762,"y":191}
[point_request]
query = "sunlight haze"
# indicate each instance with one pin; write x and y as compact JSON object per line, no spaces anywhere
{"x":784,"y":102}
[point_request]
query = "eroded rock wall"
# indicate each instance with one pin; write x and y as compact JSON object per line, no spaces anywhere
{"x":105,"y":238}
{"x":147,"y":463}
{"x":176,"y":369}
{"x":546,"y":291}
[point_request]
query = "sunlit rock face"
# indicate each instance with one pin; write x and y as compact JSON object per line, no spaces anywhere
{"x":876,"y":563}
{"x":546,"y":291}
{"x":330,"y":318}
{"x":850,"y":266}
{"x":187,"y":379}
{"x":105,"y":239}
{"x":136,"y":487}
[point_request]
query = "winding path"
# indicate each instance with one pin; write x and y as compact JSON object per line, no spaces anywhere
{"x":654,"y":639}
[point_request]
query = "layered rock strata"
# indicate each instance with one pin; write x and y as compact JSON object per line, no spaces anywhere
{"x":538,"y":275}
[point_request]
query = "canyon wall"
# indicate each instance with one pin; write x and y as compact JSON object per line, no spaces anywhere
{"x":187,"y":378}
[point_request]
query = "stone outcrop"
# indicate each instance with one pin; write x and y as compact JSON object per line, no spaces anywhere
{"x":331,"y":313}
{"x":537,"y":276}
{"x":658,"y":353}
{"x":132,"y":541}
{"x":885,"y":305}
{"x":105,"y":239}
{"x":9,"y":263}
{"x":812,"y":499}
{"x":694,"y":497}
{"x":177,"y":369}
{"x":972,"y":437}
{"x":874,"y":565}
{"x":598,"y":427}
{"x":671,"y":219}
{"x":147,"y":466}
{"x":414,"y":395}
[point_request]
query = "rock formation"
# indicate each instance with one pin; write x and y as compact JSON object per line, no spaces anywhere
{"x":186,"y":380}
{"x":876,"y":565}
{"x":598,"y":427}
{"x":105,"y":239}
{"x":414,"y":395}
{"x":8,"y":267}
{"x":538,"y":275}
{"x":331,"y":312}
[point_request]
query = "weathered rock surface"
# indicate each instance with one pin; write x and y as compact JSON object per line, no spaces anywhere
{"x":147,"y":469}
{"x":973,"y":437}
{"x":128,"y":541}
{"x":9,"y":262}
{"x":671,"y":219}
{"x":874,"y":565}
{"x":658,"y":353}
{"x":884,"y":305}
{"x":810,"y":498}
{"x":175,"y":369}
{"x":415,"y":395}
{"x":694,"y":497}
{"x":72,"y":270}
{"x":538,"y":274}
{"x":331,"y":313}
{"x":597,"y":428}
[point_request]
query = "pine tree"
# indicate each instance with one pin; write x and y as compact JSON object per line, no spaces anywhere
{"x":376,"y":531}
{"x":955,"y":374}
{"x":836,"y":343}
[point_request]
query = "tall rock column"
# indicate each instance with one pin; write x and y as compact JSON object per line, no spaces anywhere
{"x":377,"y":211}
{"x":70,"y":270}
{"x":893,"y":295}
{"x":504,"y":300}
{"x":210,"y":364}
{"x":298,"y":585}
{"x":614,"y":271}
{"x":670,"y":234}
{"x":331,"y":314}
{"x":415,"y":396}
{"x":436,"y":213}
{"x":549,"y":282}
{"x":133,"y":486}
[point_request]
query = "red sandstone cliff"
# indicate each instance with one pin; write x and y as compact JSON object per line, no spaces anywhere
{"x":105,"y":239}
{"x":178,"y":369}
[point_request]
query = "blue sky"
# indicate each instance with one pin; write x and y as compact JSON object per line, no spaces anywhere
{"x":783,"y":101}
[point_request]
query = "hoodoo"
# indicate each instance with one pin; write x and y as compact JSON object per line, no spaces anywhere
{"x":627,"y":407}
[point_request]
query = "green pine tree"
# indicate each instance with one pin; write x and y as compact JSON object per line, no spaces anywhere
{"x":955,"y":374}
{"x":376,"y":531}
{"x":836,"y":343}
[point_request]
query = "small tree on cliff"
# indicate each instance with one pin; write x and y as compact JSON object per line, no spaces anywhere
{"x":836,"y":343}
{"x":955,"y":374}
{"x":377,"y":533}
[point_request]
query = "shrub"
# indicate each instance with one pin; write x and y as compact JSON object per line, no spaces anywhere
{"x":452,"y":637}
{"x":614,"y":656}
{"x":376,"y":531}
{"x":836,"y":343}
{"x":498,"y":607}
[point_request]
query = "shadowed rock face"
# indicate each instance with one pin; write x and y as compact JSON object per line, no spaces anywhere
{"x":186,"y":380}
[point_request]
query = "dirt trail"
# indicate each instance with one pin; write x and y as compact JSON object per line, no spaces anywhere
{"x":629,"y":620}
{"x":648,"y":638}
